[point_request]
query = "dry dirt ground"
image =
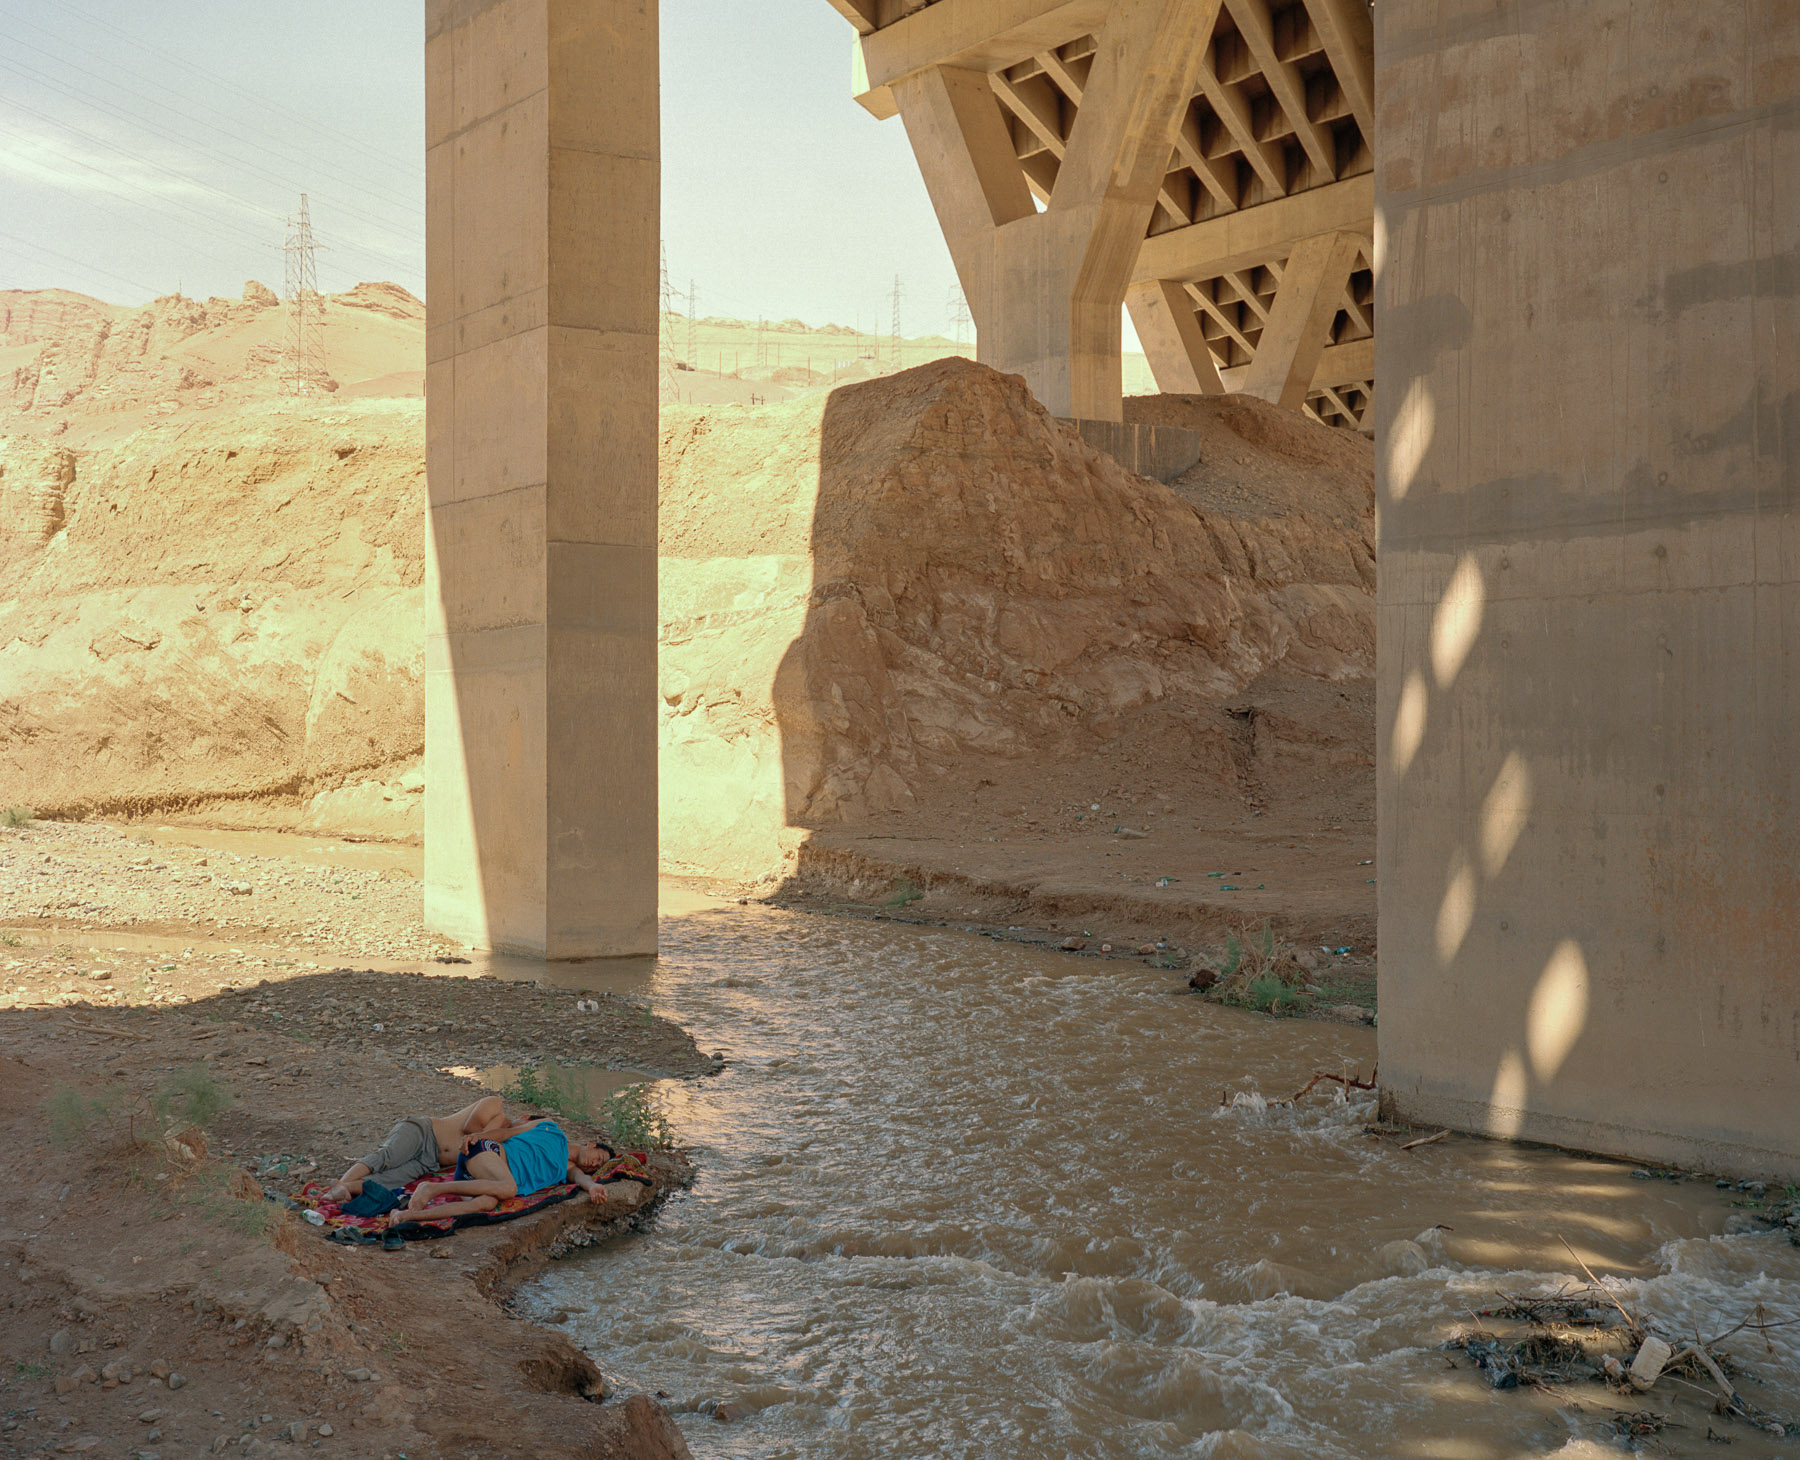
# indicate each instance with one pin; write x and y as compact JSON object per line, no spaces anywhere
{"x":241,"y":1328}
{"x":1142,"y":844}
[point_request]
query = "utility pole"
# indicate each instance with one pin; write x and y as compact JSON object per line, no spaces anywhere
{"x":898,"y":362}
{"x":762,"y":342}
{"x":693,"y":294}
{"x":303,"y":344}
{"x":961,"y":321}
{"x":665,"y":327}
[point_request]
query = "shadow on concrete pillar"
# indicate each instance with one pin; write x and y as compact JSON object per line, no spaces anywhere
{"x":542,"y":184}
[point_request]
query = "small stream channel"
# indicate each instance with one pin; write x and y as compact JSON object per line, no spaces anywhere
{"x":961,"y":1198}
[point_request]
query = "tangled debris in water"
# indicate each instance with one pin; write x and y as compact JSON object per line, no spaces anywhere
{"x":1586,"y":1334}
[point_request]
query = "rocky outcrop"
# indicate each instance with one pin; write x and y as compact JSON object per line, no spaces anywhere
{"x":929,"y":566}
{"x":217,"y":611}
{"x":859,"y":590}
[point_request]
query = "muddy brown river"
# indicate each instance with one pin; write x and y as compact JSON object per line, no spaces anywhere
{"x":963,"y":1198}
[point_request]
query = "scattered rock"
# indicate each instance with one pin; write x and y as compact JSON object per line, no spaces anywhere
{"x":150,"y":1416}
{"x":118,"y":1372}
{"x":175,"y":1381}
{"x":62,"y":1342}
{"x":159,"y":1368}
{"x":1072,"y":945}
{"x":1404,"y":1258}
{"x":326,"y":1432}
{"x":1348,"y":1014}
{"x":1203,"y":979}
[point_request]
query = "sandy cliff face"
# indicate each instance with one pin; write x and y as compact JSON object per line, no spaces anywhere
{"x":860,"y":589}
{"x":70,"y":364}
{"x":223,"y":609}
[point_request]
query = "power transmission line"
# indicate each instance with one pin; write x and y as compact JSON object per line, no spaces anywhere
{"x":140,"y":158}
{"x":665,"y":330}
{"x":303,"y":354}
{"x":135,"y":118}
{"x":225,"y":83}
{"x":67,"y":259}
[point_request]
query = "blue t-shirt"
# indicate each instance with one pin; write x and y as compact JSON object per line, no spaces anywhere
{"x":538,"y":1157}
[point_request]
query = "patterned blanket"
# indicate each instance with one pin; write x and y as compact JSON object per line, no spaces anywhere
{"x":626,"y":1166}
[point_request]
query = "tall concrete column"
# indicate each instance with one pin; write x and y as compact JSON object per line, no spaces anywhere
{"x":1046,"y":288}
{"x":1588,"y":455}
{"x":542,"y":183}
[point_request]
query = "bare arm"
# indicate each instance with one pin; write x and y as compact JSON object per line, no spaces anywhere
{"x":585,"y":1182}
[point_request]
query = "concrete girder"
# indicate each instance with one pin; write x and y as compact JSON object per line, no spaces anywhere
{"x":1271,"y":148}
{"x":1046,"y":287}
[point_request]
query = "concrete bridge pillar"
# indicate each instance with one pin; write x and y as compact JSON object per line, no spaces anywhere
{"x":543,"y":185}
{"x":1046,"y":288}
{"x":1588,"y":458}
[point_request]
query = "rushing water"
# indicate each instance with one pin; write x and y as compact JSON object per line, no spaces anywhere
{"x":959,"y":1198}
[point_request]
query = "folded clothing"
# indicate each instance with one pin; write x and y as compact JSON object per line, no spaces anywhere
{"x":373,"y":1201}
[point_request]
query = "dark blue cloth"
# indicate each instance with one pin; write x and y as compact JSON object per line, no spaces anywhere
{"x":373,"y":1200}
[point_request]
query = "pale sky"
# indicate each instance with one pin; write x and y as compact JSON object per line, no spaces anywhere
{"x":145,"y":146}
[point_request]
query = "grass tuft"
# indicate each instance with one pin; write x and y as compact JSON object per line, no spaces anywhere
{"x":1263,"y":973}
{"x":17,"y":816}
{"x":634,"y":1119}
{"x":551,"y":1089}
{"x":71,"y":1113}
{"x":190,"y":1096}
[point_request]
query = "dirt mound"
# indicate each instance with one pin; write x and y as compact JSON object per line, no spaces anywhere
{"x":860,"y":591}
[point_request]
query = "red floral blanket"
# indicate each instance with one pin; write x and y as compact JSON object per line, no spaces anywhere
{"x":627,"y":1166}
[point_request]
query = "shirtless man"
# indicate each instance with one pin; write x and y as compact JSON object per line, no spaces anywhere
{"x":421,"y":1145}
{"x":516,"y":1160}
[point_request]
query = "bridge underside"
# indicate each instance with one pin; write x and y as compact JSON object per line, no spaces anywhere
{"x":1585,"y":247}
{"x":1204,"y":162}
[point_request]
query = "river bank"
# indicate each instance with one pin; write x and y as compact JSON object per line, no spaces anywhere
{"x":131,"y":967}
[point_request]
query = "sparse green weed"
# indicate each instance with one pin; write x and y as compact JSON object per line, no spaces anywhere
{"x":190,"y":1096}
{"x":550,"y":1088}
{"x":9,"y":940}
{"x":634,"y":1119}
{"x":71,"y":1113}
{"x":17,"y":816}
{"x":1261,"y":973}
{"x":904,"y":895}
